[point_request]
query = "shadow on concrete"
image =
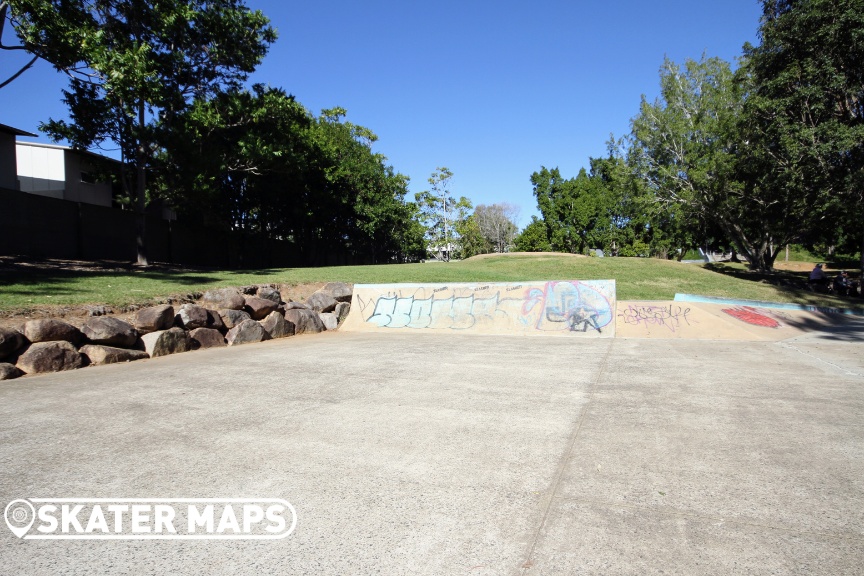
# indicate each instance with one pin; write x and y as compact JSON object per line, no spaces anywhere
{"x":831,"y":327}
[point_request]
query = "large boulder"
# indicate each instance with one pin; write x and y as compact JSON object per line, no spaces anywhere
{"x":231,"y":318}
{"x":340,"y":291}
{"x":259,"y":308}
{"x":224,"y":298}
{"x":110,"y":355}
{"x":9,"y":371}
{"x":165,"y":342}
{"x":268,"y":293}
{"x":51,"y":330}
{"x":329,"y":319}
{"x":276,"y":325}
{"x":297,"y":306}
{"x":321,"y":302}
{"x":191,"y":316}
{"x":214,"y":321}
{"x":246,"y":332}
{"x":154,"y":318}
{"x":341,"y":311}
{"x":305,"y":321}
{"x":110,"y":331}
{"x":207,"y":338}
{"x":49,"y":357}
{"x":11,"y":341}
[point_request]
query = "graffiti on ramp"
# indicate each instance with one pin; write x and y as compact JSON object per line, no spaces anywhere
{"x":558,"y":307}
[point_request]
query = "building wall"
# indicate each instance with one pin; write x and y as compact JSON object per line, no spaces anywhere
{"x":77,"y":190}
{"x":8,"y":178}
{"x":41,"y":170}
{"x":57,"y":172}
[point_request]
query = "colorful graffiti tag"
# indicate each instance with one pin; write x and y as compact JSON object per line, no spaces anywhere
{"x":562,"y":306}
{"x":752,"y":316}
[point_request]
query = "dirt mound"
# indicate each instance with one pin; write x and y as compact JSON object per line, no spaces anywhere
{"x":536,"y":254}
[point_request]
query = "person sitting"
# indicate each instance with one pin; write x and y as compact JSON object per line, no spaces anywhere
{"x":818,"y":278}
{"x":843,"y":285}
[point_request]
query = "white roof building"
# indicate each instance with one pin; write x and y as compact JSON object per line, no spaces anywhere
{"x":60,"y":172}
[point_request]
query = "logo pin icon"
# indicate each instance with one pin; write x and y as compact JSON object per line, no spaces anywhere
{"x":19,"y":515}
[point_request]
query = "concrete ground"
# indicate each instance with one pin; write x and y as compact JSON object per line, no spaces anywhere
{"x":476,"y":455}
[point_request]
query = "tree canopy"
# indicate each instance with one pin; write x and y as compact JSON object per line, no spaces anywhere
{"x":135,"y":65}
{"x":751,"y":158}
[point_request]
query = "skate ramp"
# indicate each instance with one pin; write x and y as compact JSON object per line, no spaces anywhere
{"x":571,"y":308}
{"x":732,"y":320}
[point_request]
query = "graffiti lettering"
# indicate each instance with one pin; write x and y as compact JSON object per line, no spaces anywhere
{"x":548,"y":306}
{"x":669,"y":317}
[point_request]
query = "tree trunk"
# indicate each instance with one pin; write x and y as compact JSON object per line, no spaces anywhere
{"x":140,"y":190}
{"x":861,"y":264}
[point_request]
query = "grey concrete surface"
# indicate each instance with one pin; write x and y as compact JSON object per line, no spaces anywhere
{"x":490,"y":455}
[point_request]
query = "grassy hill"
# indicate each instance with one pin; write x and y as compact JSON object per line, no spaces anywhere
{"x":24,"y":286}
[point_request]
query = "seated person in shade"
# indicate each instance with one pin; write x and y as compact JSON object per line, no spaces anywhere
{"x":843,"y":284}
{"x":817,"y":276}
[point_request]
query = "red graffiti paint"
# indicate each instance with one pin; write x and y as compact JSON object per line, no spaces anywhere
{"x":750,"y":315}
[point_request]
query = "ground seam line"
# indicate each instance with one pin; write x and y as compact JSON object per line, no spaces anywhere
{"x":831,"y":536}
{"x":837,"y":366}
{"x":526,"y":564}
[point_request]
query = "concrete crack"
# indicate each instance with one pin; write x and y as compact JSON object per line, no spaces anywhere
{"x":550,"y":495}
{"x":845,"y":371}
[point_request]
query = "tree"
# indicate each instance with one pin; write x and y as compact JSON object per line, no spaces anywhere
{"x":471,"y":239}
{"x":497,"y":224}
{"x":690,"y":147}
{"x":441,"y":215}
{"x":4,"y":10}
{"x":135,"y":65}
{"x":805,"y":112}
{"x":258,"y":162}
{"x":534,"y":238}
{"x":577,"y":211}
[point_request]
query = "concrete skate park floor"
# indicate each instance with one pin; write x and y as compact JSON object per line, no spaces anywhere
{"x":493,"y":455}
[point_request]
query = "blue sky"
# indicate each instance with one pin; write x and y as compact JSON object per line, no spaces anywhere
{"x":492,"y":90}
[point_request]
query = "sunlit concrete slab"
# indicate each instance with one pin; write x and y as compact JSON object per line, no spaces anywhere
{"x":418,"y":453}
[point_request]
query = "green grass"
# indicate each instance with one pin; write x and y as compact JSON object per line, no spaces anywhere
{"x":637,"y":279}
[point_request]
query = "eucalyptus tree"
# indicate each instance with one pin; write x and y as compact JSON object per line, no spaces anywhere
{"x":690,"y":147}
{"x":497,"y":224}
{"x":441,"y":215}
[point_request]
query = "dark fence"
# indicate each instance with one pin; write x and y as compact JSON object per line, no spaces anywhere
{"x":43,"y":227}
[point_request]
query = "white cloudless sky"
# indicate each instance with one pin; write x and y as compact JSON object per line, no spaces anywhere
{"x":491,"y":89}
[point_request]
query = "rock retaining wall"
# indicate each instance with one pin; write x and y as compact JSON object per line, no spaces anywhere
{"x":222,"y":317}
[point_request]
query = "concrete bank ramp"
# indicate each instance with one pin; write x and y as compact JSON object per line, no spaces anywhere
{"x":735,"y":320}
{"x":571,"y":308}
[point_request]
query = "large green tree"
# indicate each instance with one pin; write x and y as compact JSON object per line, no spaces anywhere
{"x":583,"y":212}
{"x":257,"y":162}
{"x":534,"y":237}
{"x":805,"y":113}
{"x":134,"y":65}
{"x":690,"y":147}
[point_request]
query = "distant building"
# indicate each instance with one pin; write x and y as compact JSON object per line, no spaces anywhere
{"x":61,"y":172}
{"x":8,"y":169}
{"x":441,"y":252}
